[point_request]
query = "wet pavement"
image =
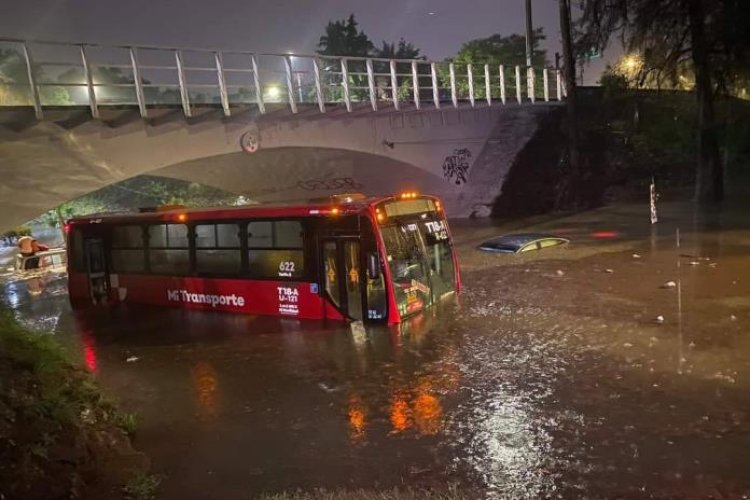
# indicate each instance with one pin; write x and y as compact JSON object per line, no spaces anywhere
{"x":550,"y":376}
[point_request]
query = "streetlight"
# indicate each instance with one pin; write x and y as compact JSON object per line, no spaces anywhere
{"x":272,"y":93}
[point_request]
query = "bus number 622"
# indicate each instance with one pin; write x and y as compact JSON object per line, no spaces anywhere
{"x":286,"y":266}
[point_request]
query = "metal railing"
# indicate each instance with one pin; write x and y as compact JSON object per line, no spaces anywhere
{"x":48,"y":74}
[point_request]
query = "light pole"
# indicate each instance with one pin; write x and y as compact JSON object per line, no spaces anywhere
{"x":529,"y":34}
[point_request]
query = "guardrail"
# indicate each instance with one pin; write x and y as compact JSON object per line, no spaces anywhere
{"x":54,"y":258}
{"x":49,"y":74}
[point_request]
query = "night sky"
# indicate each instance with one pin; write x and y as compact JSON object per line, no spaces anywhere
{"x":438,"y":27}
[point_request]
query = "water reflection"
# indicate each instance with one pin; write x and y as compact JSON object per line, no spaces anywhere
{"x":428,"y":413}
{"x":206,"y":387}
{"x":357,"y":416}
{"x":89,"y":351}
{"x":400,"y":416}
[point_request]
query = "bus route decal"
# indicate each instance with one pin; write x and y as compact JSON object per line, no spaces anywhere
{"x":288,"y":300}
{"x":202,"y":298}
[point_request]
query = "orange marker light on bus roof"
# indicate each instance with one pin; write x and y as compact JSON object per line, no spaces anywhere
{"x":335,"y":211}
{"x":182,"y":217}
{"x":408,"y":195}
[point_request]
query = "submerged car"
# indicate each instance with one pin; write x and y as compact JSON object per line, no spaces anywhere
{"x":522,"y":242}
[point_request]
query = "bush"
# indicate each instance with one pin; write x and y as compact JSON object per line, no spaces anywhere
{"x":12,"y":236}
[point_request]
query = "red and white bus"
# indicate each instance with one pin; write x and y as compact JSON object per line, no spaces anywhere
{"x":346,"y":257}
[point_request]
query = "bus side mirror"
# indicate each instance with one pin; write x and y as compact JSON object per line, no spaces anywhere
{"x":373,"y":266}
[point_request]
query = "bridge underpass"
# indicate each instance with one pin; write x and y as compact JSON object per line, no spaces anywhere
{"x":460,"y":154}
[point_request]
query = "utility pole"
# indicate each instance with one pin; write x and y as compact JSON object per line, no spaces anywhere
{"x":569,"y":72}
{"x":529,"y":34}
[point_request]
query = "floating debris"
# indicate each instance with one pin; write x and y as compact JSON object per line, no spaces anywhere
{"x":659,"y":319}
{"x":132,"y":359}
{"x":669,"y":284}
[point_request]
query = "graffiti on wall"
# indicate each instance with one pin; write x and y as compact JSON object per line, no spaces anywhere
{"x":456,"y":165}
{"x":336,"y":183}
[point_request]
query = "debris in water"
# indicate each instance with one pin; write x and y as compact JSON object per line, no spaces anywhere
{"x":560,"y":272}
{"x":609,"y":271}
{"x":328,"y":388}
{"x":636,"y":256}
{"x":694,"y":263}
{"x":132,"y":359}
{"x":669,"y":284}
{"x":733,"y":317}
{"x":660,"y":319}
{"x":712,"y":264}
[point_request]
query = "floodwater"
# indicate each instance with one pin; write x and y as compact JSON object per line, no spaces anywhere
{"x":574,"y":372}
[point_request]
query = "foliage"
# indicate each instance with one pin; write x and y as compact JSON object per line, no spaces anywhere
{"x":129,"y":423}
{"x":142,"y":487}
{"x":11,"y":236}
{"x":14,"y":82}
{"x":704,"y":41}
{"x":58,"y":429}
{"x":496,"y":50}
{"x":613,"y":81}
{"x":141,"y":191}
{"x":404,"y":50}
{"x":344,"y":38}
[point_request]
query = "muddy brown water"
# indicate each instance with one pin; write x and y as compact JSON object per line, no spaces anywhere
{"x":549,"y":376}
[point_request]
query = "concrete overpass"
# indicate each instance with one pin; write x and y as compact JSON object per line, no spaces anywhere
{"x":380,"y":140}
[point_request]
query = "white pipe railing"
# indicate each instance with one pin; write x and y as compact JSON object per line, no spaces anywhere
{"x":232,"y":79}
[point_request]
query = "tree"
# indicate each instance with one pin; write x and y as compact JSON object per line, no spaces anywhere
{"x":708,"y":36}
{"x":498,"y":49}
{"x":14,"y":82}
{"x":495,"y":50}
{"x":344,"y":38}
{"x":404,"y":50}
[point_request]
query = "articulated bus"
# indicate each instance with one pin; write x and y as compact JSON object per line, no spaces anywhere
{"x":347,"y":257}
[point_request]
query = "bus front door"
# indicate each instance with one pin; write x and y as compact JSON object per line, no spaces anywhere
{"x":344,"y":277}
{"x":96,"y":270}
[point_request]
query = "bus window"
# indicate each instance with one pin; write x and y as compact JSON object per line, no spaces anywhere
{"x":276,"y":249}
{"x":127,"y":252}
{"x":217,"y":249}
{"x":288,"y":234}
{"x":168,"y":249}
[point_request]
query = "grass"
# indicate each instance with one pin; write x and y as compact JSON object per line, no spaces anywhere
{"x":129,"y":423}
{"x":451,"y":492}
{"x":57,"y":427}
{"x":142,"y":487}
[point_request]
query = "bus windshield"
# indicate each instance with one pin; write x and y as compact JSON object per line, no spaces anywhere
{"x":421,"y":262}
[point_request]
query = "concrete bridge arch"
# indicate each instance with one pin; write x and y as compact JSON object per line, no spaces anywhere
{"x":460,"y":154}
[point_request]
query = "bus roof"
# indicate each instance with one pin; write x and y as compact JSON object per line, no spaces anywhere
{"x":308,"y":208}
